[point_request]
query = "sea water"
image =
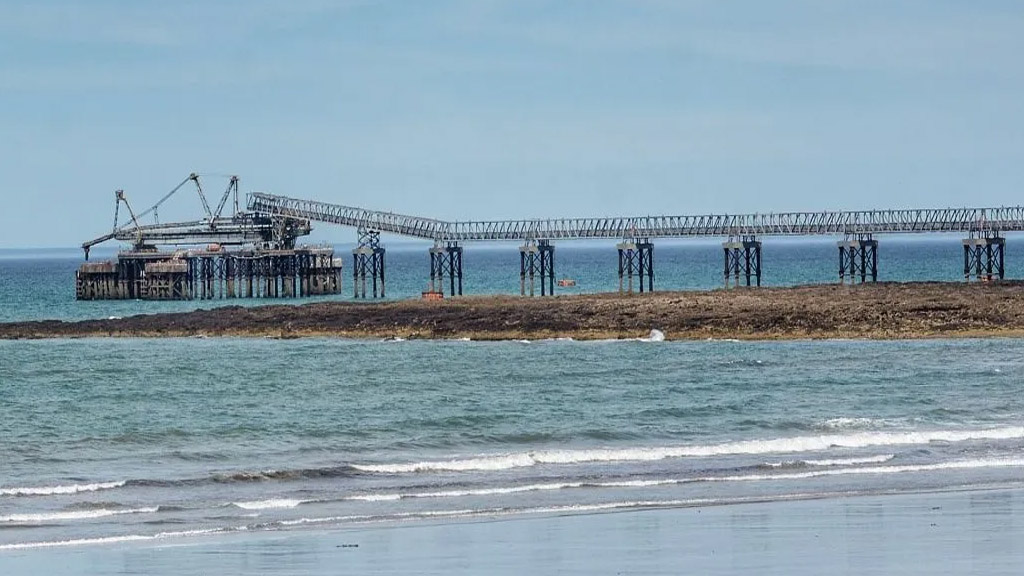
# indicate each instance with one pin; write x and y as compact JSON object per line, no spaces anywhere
{"x":40,"y":285}
{"x":135,"y":440}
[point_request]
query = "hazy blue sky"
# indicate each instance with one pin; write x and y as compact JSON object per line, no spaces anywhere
{"x":488,"y":108}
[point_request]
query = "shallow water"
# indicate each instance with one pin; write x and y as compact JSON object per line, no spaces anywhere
{"x":35,"y":288}
{"x":123,"y":439}
{"x":111,"y":443}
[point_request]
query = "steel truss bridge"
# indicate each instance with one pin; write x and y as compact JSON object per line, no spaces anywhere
{"x":972,"y":221}
{"x":273,"y":223}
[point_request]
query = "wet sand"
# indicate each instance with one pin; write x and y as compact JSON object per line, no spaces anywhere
{"x":879,"y":311}
{"x":971,"y":532}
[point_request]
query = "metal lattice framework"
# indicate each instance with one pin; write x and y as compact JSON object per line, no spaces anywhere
{"x":962,"y":220}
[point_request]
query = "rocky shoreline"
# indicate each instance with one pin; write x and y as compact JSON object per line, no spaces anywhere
{"x":878,"y":311}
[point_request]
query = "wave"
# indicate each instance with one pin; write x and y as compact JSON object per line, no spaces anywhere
{"x":269,"y":504}
{"x":469,"y":492}
{"x":831,"y":461}
{"x":58,"y":490}
{"x":243,"y":476}
{"x":655,"y":336}
{"x":71,"y":515}
{"x":846,"y":423}
{"x":558,"y":509}
{"x":508,"y":511}
{"x":777,"y":445}
{"x":300,"y":473}
{"x":115,"y":539}
{"x":958,"y":465}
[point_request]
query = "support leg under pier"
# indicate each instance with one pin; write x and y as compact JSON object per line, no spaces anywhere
{"x":984,"y":257}
{"x":368,"y":265}
{"x":446,"y":262}
{"x":636,"y":257}
{"x":742,"y":258}
{"x":858,"y":259}
{"x":537,"y":258}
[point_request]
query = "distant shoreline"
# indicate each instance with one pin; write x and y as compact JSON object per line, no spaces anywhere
{"x":880,"y":311}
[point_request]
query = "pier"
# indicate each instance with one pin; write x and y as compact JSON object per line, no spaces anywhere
{"x":211,"y":274}
{"x":257,"y":255}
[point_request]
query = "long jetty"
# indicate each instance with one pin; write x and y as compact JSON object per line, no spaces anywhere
{"x":858,"y":251}
{"x":268,"y":264}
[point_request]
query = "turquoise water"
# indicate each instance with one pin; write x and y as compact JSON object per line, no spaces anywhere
{"x":38,"y":288}
{"x":137,"y":438}
{"x":134,"y":440}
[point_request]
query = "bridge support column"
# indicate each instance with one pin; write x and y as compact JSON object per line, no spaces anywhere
{"x":858,"y":258}
{"x":636,"y":257}
{"x":537,"y":257}
{"x":742,"y":258}
{"x":288,"y":270}
{"x":368,"y":262}
{"x":446,"y":261}
{"x":230,"y":273}
{"x":984,"y":257}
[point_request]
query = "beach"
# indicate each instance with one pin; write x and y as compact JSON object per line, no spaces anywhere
{"x":194,"y":455}
{"x":970,"y":532}
{"x":788,"y":429}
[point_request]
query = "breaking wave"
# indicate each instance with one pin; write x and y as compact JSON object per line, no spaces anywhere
{"x":56,"y":490}
{"x":778,"y":445}
{"x":71,"y":515}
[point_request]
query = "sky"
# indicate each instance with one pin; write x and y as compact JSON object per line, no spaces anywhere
{"x":471,"y":109}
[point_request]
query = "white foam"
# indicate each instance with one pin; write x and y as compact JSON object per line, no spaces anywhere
{"x":655,"y":336}
{"x":795,"y":444}
{"x":108,"y":539}
{"x":56,"y":490}
{"x":850,"y":461}
{"x":835,"y":461}
{"x":844,"y":423}
{"x":958,"y":465}
{"x":73,"y":515}
{"x":376,"y":497}
{"x":485,"y":463}
{"x":468,"y":492}
{"x":269,"y":504}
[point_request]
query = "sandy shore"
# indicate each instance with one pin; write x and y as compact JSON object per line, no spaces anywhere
{"x":880,"y":311}
{"x":975,"y":532}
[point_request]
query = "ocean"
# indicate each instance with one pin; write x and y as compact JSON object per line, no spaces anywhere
{"x":38,"y":285}
{"x":106,"y":444}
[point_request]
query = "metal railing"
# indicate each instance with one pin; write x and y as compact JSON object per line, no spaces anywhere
{"x":962,"y":220}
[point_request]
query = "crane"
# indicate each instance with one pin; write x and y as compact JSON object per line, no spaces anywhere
{"x":239,"y":228}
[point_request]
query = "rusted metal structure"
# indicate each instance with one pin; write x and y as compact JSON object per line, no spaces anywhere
{"x":742,"y":259}
{"x":446,"y":262}
{"x":742,"y":252}
{"x":984,"y":257}
{"x":858,"y":259}
{"x":211,"y":274}
{"x":537,"y":258}
{"x":257,"y":256}
{"x":244,"y":255}
{"x":636,"y":257}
